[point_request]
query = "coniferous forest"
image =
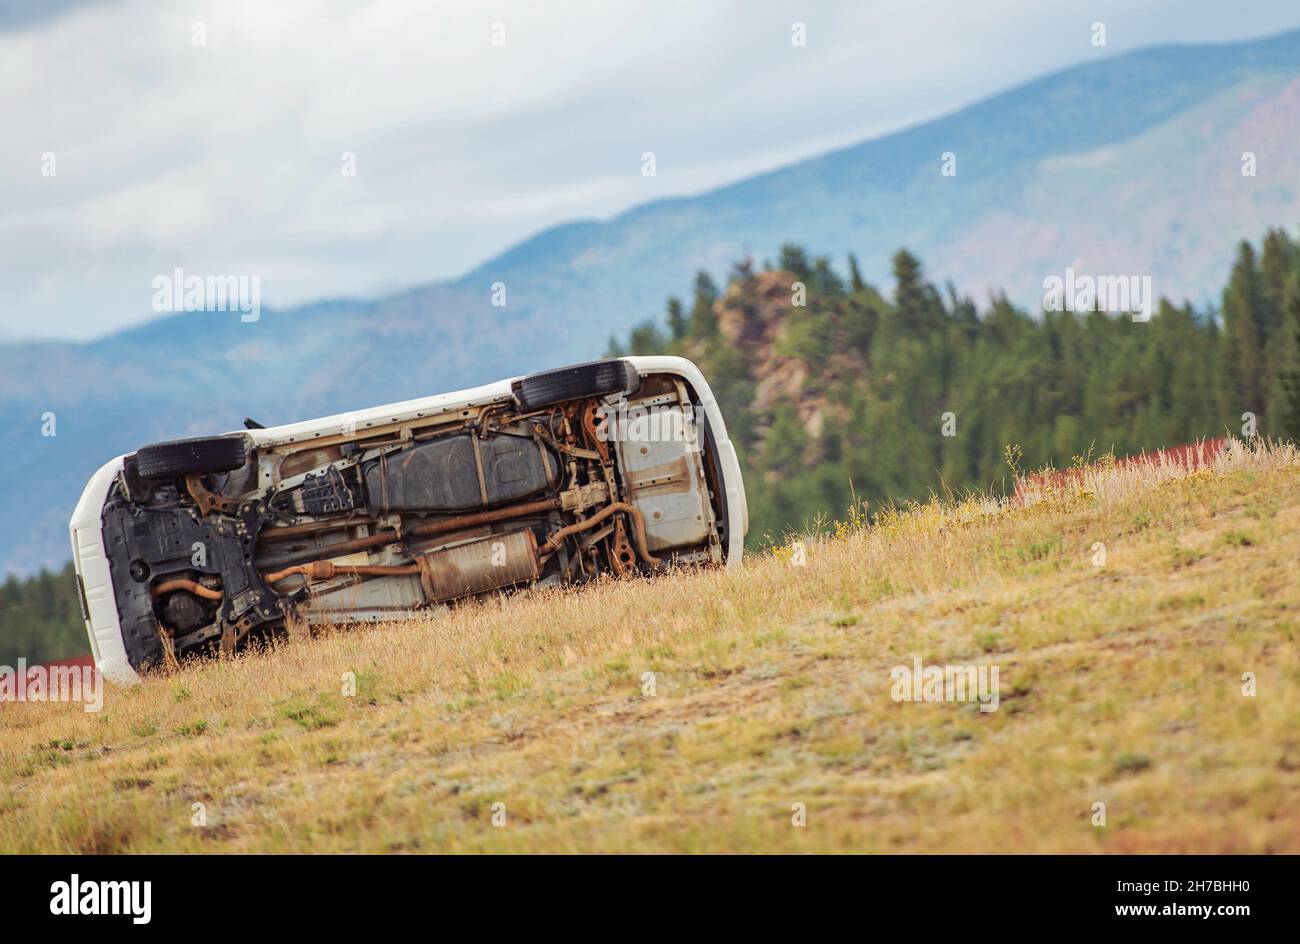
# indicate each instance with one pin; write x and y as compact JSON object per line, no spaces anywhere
{"x":40,"y":618}
{"x":836,"y":391}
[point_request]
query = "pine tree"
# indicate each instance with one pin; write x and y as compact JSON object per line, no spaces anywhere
{"x":856,"y":283}
{"x":1241,"y":311}
{"x":795,"y":261}
{"x":646,"y":339}
{"x":1289,"y":362}
{"x":704,"y":323}
{"x":678,"y":324}
{"x":1276,"y":261}
{"x":909,"y":291}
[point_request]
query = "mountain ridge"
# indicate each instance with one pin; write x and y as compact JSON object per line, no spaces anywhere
{"x":1009,"y":217}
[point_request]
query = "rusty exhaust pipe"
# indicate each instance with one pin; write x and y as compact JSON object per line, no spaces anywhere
{"x":193,"y":586}
{"x":425,"y":530}
{"x":638,"y":530}
{"x":324,"y":570}
{"x":311,"y":527}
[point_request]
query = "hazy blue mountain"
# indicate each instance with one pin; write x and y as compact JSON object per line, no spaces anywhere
{"x":1128,"y":165}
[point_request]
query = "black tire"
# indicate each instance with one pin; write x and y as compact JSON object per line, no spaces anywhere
{"x":206,"y":454}
{"x":593,"y":379}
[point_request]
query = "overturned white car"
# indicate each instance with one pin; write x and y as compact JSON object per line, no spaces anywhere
{"x":613,"y":467}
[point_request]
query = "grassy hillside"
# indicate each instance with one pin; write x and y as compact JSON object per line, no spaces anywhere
{"x":1120,"y":684}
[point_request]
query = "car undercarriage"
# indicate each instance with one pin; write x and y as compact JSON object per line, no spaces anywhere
{"x":215,"y":542}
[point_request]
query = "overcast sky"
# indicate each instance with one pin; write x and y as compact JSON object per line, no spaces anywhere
{"x":226,"y":157}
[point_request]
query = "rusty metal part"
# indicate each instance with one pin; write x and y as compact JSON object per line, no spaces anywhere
{"x":543,"y":435}
{"x":324,"y":570}
{"x":557,"y":538}
{"x":489,"y":563}
{"x":440,"y":526}
{"x":484,"y":415}
{"x":621,"y":556}
{"x":311,"y":527}
{"x":581,"y":497}
{"x":233,"y":633}
{"x":208,"y":501}
{"x":192,"y":586}
{"x":596,"y":424}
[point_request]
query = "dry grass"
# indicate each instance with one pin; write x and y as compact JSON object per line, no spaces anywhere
{"x":1120,"y":684}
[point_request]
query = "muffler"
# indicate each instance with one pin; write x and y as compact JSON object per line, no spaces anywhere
{"x":490,"y":563}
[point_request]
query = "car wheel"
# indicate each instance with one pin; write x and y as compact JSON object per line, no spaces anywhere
{"x":208,"y":454}
{"x":596,"y":378}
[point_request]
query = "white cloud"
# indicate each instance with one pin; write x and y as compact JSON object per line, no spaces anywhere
{"x":226,"y":158}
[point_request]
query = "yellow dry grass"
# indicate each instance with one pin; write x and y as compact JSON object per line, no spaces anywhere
{"x":1120,"y":684}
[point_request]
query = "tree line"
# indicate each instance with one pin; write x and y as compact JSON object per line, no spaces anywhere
{"x":40,"y":618}
{"x":901,"y":396}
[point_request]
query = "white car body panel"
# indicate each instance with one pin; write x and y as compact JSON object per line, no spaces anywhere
{"x":99,"y":607}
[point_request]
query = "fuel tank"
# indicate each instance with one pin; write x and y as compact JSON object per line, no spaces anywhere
{"x":460,"y":472}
